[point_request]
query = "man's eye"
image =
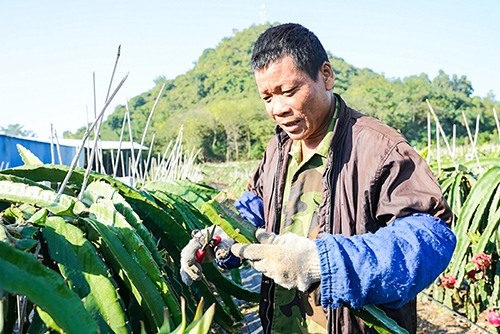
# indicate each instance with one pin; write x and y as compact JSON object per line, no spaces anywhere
{"x":266,"y":98}
{"x":290,"y":91}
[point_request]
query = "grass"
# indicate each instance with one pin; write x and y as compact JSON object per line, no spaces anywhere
{"x":232,"y":176}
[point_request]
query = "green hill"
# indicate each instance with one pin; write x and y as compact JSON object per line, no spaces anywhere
{"x":218,"y":103}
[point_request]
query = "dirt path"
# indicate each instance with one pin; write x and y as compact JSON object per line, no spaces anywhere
{"x":432,"y":318}
{"x":435,"y":319}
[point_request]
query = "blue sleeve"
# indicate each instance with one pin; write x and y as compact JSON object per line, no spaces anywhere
{"x":231,"y":262}
{"x":389,"y":267}
{"x":251,"y":208}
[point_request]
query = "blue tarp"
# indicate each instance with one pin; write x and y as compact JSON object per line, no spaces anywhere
{"x":9,"y":153}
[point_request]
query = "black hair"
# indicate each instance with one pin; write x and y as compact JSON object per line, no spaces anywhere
{"x":290,"y":39}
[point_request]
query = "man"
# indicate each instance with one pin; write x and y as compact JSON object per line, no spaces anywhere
{"x":366,"y":215}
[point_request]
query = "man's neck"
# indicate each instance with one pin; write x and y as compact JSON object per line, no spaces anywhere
{"x":308,"y":146}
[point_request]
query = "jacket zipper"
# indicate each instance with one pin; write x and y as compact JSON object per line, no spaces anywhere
{"x":275,"y":224}
{"x":330,"y":185}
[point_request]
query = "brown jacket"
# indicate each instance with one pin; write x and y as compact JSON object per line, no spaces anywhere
{"x":372,"y":177}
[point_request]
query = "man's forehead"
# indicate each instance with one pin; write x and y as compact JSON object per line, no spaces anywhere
{"x":276,"y":61}
{"x":282,"y":63}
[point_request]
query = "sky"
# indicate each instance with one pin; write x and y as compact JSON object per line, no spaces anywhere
{"x":50,"y":49}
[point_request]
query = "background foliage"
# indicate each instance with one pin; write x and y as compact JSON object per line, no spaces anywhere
{"x":16,"y":130}
{"x":219,"y":105}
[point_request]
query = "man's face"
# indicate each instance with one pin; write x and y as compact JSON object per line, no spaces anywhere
{"x":300,"y":105}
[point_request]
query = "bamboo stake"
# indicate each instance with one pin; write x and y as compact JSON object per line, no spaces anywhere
{"x":471,"y":141}
{"x":496,"y":122}
{"x":100,"y":152}
{"x":1,"y":166}
{"x":168,"y":164}
{"x":88,"y":147}
{"x":454,"y":141}
{"x":438,"y":148}
{"x":178,"y":158}
{"x":95,"y":154}
{"x":172,"y":156}
{"x":139,"y":172}
{"x":85,"y":136}
{"x":20,"y":315}
{"x":113,"y":162}
{"x":192,"y":161}
{"x":440,"y":129}
{"x":178,"y":161}
{"x":113,"y":73}
{"x":132,"y":151}
{"x":100,"y":155}
{"x":52,"y":144}
{"x":186,"y":173}
{"x":95,"y":117}
{"x":23,"y":301}
{"x":120,"y":144}
{"x":123,"y":164}
{"x":89,"y":166}
{"x":185,"y":164}
{"x":97,"y":137}
{"x":147,"y":124}
{"x":149,"y":157}
{"x":24,"y":307}
{"x":477,"y":130}
{"x":58,"y":147}
{"x":498,"y":128}
{"x":428,"y":138}
{"x":157,"y":165}
{"x":162,"y":161}
{"x":98,"y":147}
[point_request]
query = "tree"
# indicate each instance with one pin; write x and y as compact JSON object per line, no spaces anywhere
{"x":16,"y":130}
{"x":228,"y":113}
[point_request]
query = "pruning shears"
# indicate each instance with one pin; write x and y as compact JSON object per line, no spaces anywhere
{"x":210,"y":241}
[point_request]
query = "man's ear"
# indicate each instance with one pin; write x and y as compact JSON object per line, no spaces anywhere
{"x":327,"y":75}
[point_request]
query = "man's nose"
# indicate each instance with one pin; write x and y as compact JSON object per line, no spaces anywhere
{"x":279,"y":107}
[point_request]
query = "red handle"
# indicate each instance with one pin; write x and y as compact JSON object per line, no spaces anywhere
{"x":200,"y":255}
{"x":217,"y":240}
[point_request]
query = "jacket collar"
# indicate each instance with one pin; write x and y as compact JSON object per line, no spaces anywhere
{"x":341,"y":123}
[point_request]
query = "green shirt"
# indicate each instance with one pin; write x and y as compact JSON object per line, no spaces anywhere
{"x":295,"y":311}
{"x":303,"y":188}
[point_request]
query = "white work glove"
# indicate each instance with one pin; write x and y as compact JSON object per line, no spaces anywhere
{"x":190,"y":268}
{"x":290,"y":260}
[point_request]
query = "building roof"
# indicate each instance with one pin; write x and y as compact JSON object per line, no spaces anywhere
{"x":105,"y":144}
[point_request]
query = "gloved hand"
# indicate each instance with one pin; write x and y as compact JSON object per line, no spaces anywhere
{"x":190,"y":268}
{"x":290,"y":260}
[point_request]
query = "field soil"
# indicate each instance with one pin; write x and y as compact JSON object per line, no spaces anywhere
{"x":432,"y":319}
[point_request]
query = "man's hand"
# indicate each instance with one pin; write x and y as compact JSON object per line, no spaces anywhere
{"x":190,"y":267}
{"x":290,"y":260}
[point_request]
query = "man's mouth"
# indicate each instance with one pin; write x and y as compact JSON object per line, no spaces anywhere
{"x":290,"y":124}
